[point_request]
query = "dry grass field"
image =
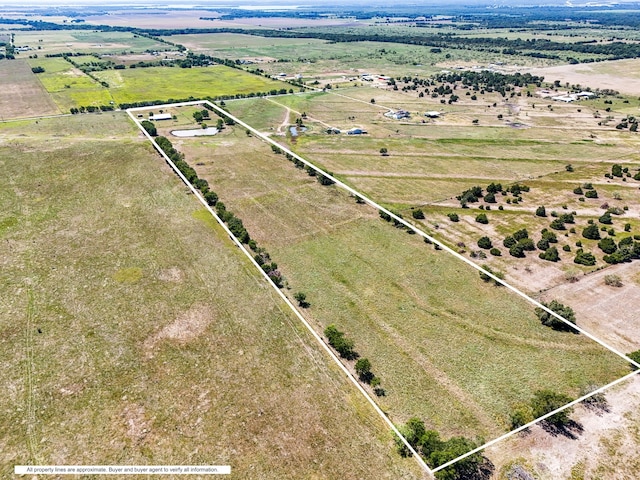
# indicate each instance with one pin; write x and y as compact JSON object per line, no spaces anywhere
{"x":133,"y":332}
{"x":23,"y":94}
{"x":404,"y":304}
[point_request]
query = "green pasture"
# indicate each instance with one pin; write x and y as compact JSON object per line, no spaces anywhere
{"x":163,"y":83}
{"x":168,"y":345}
{"x":404,"y":304}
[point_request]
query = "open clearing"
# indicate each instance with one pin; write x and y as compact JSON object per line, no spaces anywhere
{"x":404,"y":304}
{"x":122,"y":332}
{"x":22,"y":93}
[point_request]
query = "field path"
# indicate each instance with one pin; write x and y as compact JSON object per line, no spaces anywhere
{"x":289,"y":110}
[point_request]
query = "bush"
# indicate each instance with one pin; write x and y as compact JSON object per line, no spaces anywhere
{"x":635,"y":356}
{"x":417,"y":214}
{"x":542,"y":244}
{"x":557,"y":224}
{"x":453,"y":217}
{"x":591,"y":232}
{"x":606,"y":219}
{"x":578,"y":191}
{"x":584,"y":258}
{"x":551,"y":321}
{"x":509,"y":242}
{"x":495,"y":252}
{"x":520,"y":416}
{"x":485,"y":242}
{"x":517,"y":251}
{"x":301,"y":298}
{"x":612,"y":280}
{"x":550,"y":254}
{"x":591,"y":194}
{"x":607,"y":245}
{"x":527,"y":244}
{"x":490,"y":198}
{"x":520,"y":234}
{"x":384,"y":215}
{"x":541,"y":212}
{"x":482,"y":218}
{"x":566,"y":248}
{"x":545,"y":401}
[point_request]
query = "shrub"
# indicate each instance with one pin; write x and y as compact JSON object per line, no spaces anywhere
{"x":591,"y":194}
{"x":301,"y":298}
{"x":545,"y":401}
{"x":607,"y":245}
{"x":211,"y":198}
{"x":482,"y":218}
{"x":509,"y":242}
{"x":584,"y":258}
{"x":591,"y":232}
{"x":635,"y":356}
{"x":527,"y":244}
{"x":495,"y":252}
{"x":517,"y":251}
{"x":627,"y":227}
{"x":557,"y":224}
{"x":384,"y":215}
{"x":551,"y":321}
{"x":521,"y":234}
{"x":578,"y":191}
{"x":453,"y":217}
{"x":550,"y":254}
{"x":606,"y":219}
{"x":485,"y":242}
{"x":417,"y":214}
{"x":612,"y":280}
{"x":541,"y":212}
{"x":566,"y":248}
{"x":543,"y":244}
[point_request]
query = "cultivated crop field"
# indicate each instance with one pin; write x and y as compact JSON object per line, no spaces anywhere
{"x":133,"y":332}
{"x":24,"y":95}
{"x":403,"y":303}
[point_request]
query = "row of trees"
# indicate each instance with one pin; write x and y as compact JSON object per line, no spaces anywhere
{"x":91,"y":109}
{"x":345,"y":348}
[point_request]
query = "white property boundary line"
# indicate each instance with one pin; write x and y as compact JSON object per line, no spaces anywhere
{"x":264,"y":274}
{"x":415,"y":230}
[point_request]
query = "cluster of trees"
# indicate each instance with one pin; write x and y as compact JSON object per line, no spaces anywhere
{"x":474,"y":194}
{"x":490,"y":81}
{"x":551,"y":321}
{"x":543,"y":402}
{"x":37,"y":69}
{"x":345,"y":348}
{"x":436,"y":452}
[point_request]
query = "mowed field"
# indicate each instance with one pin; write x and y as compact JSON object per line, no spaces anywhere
{"x":447,"y":347}
{"x":134,"y":85}
{"x":132,"y":331}
{"x":23,"y":93}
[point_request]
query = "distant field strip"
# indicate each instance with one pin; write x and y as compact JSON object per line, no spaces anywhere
{"x":350,"y":296}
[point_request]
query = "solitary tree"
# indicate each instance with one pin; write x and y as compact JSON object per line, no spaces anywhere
{"x":301,"y":298}
{"x":384,"y":151}
{"x":545,"y":401}
{"x":363,"y":369}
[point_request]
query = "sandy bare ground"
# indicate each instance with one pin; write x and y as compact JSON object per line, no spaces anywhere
{"x":608,"y":312}
{"x":605,"y":438}
{"x":620,"y":75}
